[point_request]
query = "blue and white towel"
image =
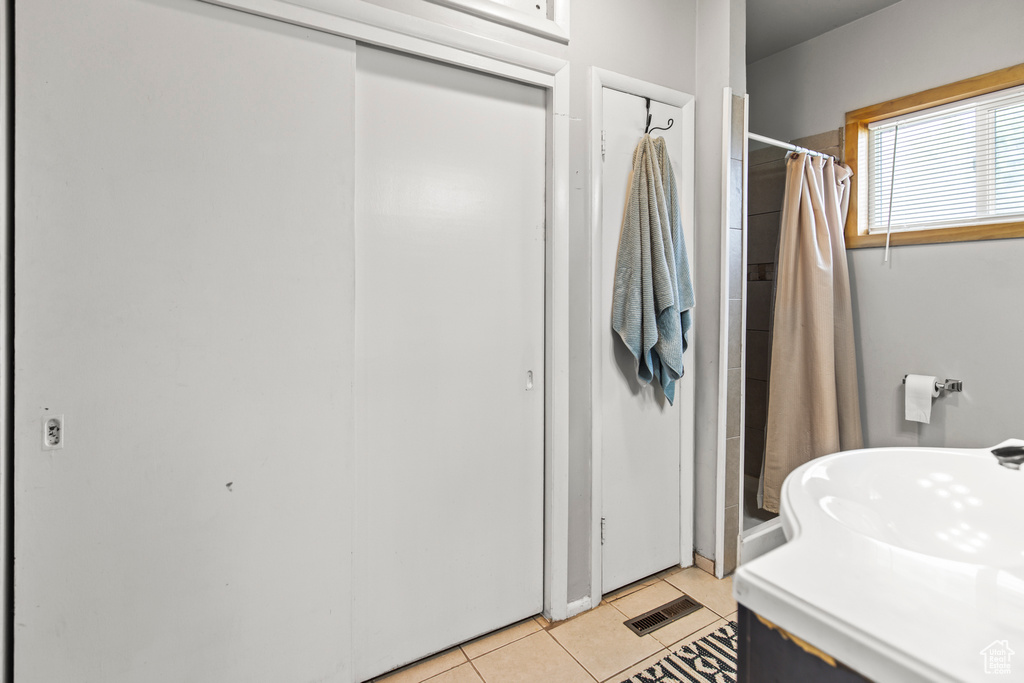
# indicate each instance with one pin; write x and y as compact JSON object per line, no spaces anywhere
{"x":653,"y":296}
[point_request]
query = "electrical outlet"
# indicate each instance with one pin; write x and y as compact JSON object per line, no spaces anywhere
{"x":53,"y":432}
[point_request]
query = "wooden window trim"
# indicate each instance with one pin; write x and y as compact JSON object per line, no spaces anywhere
{"x":856,"y":143}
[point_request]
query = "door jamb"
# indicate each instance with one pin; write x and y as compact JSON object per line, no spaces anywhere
{"x":7,"y":344}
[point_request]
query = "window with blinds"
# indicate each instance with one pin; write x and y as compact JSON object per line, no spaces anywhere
{"x":956,"y":165}
{"x":940,"y":165}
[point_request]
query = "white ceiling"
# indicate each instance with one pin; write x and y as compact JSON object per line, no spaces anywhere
{"x":774,"y":25}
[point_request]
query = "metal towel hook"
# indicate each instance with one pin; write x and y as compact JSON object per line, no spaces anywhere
{"x":647,"y":127}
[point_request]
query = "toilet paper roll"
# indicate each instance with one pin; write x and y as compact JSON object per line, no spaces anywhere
{"x":920,"y":392}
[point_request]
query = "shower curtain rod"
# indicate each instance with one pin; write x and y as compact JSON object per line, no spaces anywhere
{"x":786,"y":145}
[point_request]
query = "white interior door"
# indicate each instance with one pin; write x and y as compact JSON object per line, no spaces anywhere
{"x":450,"y":192}
{"x":640,"y":432}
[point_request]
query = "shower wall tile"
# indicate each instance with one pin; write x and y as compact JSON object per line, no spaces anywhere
{"x":765,"y":155}
{"x":829,"y":142}
{"x":737,"y":141}
{"x":757,"y":403}
{"x":735,"y":333}
{"x":732,"y":530}
{"x":753,"y":451}
{"x":736,"y":277}
{"x":732,"y":471}
{"x":735,"y":194}
{"x":758,"y":354}
{"x":737,"y":269}
{"x":759,"y":301}
{"x":762,"y":237}
{"x":733,"y":403}
{"x":760,"y":272}
{"x":766,"y":187}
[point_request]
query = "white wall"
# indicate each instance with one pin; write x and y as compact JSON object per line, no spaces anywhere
{"x":947,"y":309}
{"x":184,"y":277}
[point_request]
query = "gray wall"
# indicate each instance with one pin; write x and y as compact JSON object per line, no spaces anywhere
{"x":947,"y":309}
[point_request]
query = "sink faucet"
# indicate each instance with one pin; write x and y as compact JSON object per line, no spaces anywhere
{"x":1009,"y":456}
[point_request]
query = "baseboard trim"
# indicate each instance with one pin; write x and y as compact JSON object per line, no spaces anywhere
{"x":580,"y":606}
{"x":704,"y":564}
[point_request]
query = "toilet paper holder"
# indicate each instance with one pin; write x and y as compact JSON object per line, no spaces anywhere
{"x":948,"y":385}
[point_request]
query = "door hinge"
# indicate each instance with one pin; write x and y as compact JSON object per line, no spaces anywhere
{"x":603,"y":520}
{"x":604,"y":143}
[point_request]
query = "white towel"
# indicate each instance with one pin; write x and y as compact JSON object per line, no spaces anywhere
{"x":653,"y":294}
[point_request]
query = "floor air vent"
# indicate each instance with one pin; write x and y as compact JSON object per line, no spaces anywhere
{"x":666,"y":614}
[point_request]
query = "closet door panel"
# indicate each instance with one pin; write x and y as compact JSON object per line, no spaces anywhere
{"x":184,"y":288}
{"x":450,"y":188}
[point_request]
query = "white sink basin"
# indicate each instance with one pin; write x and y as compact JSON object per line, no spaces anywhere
{"x":904,"y":563}
{"x":951,"y":504}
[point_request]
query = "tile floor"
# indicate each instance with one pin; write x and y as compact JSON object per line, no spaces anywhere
{"x":593,"y":647}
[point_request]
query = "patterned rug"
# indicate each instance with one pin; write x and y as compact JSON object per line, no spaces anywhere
{"x":712,"y":659}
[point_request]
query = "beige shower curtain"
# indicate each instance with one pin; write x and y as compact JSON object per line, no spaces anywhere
{"x":813,"y":403}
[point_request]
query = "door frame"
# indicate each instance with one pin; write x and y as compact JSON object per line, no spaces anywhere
{"x":601,"y":79}
{"x":374,"y":25}
{"x":7,"y":344}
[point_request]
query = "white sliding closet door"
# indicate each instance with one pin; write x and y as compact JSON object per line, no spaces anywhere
{"x":640,"y":431}
{"x":184,"y":291}
{"x":450,"y":188}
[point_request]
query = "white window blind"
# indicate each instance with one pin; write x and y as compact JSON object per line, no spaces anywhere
{"x":956,"y":165}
